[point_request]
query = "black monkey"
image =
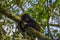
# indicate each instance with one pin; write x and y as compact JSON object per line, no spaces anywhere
{"x":29,"y":23}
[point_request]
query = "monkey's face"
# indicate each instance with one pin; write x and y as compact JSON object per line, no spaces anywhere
{"x":26,"y":18}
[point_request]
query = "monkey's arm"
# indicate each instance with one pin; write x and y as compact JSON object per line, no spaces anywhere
{"x":20,"y":26}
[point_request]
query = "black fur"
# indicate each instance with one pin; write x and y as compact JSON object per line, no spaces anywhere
{"x":30,"y":23}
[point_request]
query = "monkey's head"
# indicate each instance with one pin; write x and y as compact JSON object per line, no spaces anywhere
{"x":25,"y":17}
{"x":28,"y":18}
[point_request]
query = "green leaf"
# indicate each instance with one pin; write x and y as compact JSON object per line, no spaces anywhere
{"x":55,"y":31}
{"x":58,"y":36}
{"x":1,"y":15}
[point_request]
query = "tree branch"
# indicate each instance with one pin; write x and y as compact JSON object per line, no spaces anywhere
{"x":30,"y":31}
{"x":34,"y":33}
{"x":10,"y":15}
{"x":57,"y":25}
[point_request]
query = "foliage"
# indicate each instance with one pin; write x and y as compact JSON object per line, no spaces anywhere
{"x":40,"y":10}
